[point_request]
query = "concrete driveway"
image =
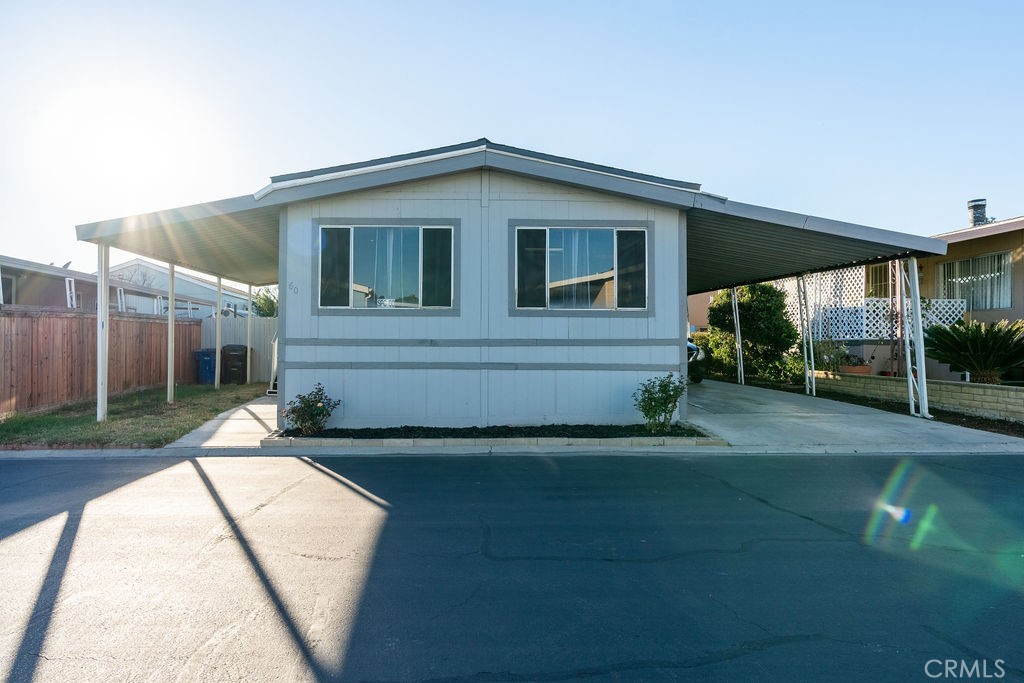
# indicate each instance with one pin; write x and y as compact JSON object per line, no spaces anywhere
{"x":755,"y":420}
{"x":467,"y":570}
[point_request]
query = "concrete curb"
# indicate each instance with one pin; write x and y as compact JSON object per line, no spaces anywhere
{"x":392,"y":445}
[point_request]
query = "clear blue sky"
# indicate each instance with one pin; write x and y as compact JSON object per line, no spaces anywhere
{"x":890,"y":114}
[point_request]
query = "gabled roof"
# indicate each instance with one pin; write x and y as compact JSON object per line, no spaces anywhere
{"x":729,"y":243}
{"x":461,"y":149}
{"x":987,"y":230}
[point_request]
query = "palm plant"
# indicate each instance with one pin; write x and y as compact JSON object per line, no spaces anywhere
{"x":985,"y":351}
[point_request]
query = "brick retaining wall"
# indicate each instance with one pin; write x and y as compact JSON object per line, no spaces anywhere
{"x":984,"y":400}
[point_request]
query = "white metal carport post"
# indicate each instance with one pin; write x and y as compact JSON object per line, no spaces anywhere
{"x":170,"y":334}
{"x":216,"y":370}
{"x":102,"y":328}
{"x":916,"y":376}
{"x":739,"y":338}
{"x":807,"y":336}
{"x":248,"y":341}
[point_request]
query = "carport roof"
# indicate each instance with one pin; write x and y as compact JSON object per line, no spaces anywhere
{"x":729,"y":243}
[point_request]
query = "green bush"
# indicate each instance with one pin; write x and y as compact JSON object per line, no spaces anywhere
{"x":656,"y":399}
{"x":308,"y":413}
{"x":719,"y":351}
{"x":768,"y":335}
{"x":985,"y":351}
{"x":787,"y":370}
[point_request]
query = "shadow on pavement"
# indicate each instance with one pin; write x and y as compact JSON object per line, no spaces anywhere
{"x":33,"y":493}
{"x":539,"y":569}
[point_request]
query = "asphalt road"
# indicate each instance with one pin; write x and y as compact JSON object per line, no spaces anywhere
{"x":489,"y":569}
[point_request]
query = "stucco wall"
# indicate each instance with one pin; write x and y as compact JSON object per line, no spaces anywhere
{"x":1012,"y":242}
{"x":995,"y":401}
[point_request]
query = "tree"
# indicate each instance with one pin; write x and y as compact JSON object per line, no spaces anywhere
{"x":137,"y":276}
{"x":767,"y":332}
{"x":985,"y":351}
{"x":264,"y":304}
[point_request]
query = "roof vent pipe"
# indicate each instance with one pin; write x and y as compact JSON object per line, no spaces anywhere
{"x":976,"y":209}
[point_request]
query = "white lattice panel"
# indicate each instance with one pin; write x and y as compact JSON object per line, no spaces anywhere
{"x":836,"y":299}
{"x":840,"y":311}
{"x":880,"y":321}
{"x":942,"y":311}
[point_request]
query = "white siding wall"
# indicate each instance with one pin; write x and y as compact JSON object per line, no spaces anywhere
{"x":484,"y":365}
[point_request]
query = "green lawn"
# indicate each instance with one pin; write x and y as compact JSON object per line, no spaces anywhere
{"x":138,"y":420}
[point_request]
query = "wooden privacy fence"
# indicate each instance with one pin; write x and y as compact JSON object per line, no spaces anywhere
{"x":48,"y":357}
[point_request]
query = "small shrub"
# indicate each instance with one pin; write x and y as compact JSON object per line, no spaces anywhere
{"x":656,"y":399}
{"x":308,"y":413}
{"x":829,"y":355}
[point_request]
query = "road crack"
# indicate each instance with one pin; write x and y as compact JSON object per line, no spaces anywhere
{"x":707,"y":659}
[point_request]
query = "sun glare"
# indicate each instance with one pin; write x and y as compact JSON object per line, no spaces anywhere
{"x":123,"y":136}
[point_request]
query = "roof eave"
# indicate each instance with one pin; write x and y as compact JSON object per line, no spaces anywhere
{"x":914,"y":244}
{"x":96,"y":232}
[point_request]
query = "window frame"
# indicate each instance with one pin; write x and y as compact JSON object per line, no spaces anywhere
{"x":942,"y":289}
{"x":11,"y":281}
{"x":452,"y":226}
{"x":646,"y":227}
{"x":872,"y":282}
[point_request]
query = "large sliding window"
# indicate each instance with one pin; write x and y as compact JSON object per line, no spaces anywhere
{"x":385,"y":266}
{"x":983,"y":281}
{"x":581,"y":268}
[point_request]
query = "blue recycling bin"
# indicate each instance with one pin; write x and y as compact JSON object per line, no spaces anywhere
{"x":207,"y":362}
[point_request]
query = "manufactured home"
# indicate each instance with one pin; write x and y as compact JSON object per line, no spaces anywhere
{"x":482,"y":284}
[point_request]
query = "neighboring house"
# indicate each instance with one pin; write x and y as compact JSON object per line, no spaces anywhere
{"x":194,"y":296}
{"x":37,"y":285}
{"x":485,"y":284}
{"x":984,"y":265}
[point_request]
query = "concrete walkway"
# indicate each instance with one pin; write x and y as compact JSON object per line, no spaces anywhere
{"x":240,"y":427}
{"x":755,"y":420}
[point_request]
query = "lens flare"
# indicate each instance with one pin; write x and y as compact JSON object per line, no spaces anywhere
{"x":898,"y":513}
{"x":951,"y":530}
